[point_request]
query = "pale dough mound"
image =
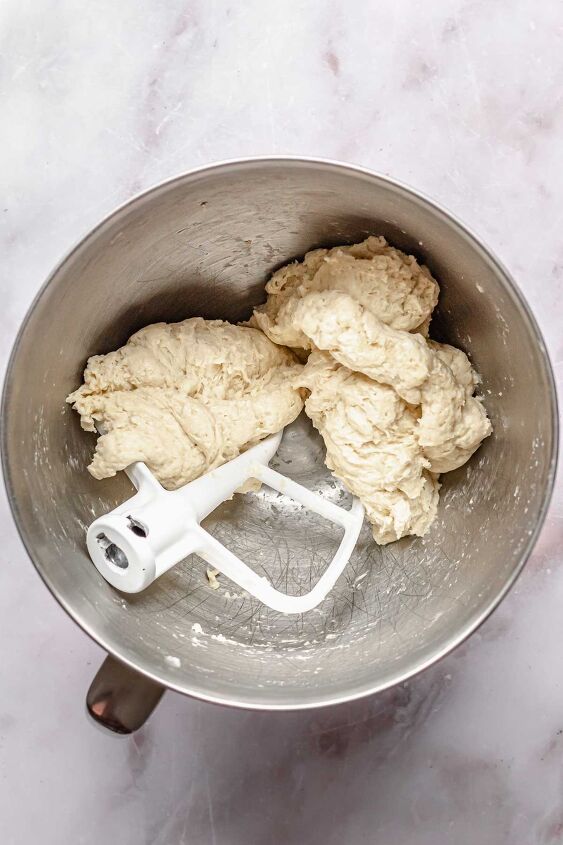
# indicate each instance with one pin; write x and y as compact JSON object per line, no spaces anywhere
{"x":391,"y":285}
{"x":372,"y":446}
{"x":394,"y":408}
{"x":185,"y":398}
{"x":436,"y":377}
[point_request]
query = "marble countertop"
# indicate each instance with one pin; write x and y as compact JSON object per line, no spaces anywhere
{"x":463,"y":100}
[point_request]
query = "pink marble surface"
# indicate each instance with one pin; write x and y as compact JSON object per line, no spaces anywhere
{"x":460,"y":98}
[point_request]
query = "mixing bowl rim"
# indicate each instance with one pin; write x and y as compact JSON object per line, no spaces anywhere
{"x":472,"y":624}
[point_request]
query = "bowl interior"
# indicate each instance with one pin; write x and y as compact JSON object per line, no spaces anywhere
{"x":204,"y":244}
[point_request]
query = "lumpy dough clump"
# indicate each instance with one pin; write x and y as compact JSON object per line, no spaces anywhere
{"x":394,"y":408}
{"x":372,"y":446}
{"x":185,"y":398}
{"x":391,"y":285}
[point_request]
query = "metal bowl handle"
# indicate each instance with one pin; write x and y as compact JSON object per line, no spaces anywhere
{"x":120,"y":699}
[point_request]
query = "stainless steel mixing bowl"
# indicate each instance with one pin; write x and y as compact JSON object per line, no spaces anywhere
{"x":204,"y":244}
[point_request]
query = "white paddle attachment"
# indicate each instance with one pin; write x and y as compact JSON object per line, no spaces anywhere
{"x":154,"y":530}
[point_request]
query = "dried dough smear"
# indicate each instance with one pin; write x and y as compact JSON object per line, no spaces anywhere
{"x":391,"y":285}
{"x":185,"y":398}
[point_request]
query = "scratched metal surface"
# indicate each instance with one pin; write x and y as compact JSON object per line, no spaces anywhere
{"x":205,"y":245}
{"x":292,"y":547}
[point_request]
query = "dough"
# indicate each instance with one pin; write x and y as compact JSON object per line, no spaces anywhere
{"x":453,"y":422}
{"x":355,"y":337}
{"x":394,"y":408}
{"x":391,"y":285}
{"x":372,"y":446}
{"x":185,"y":398}
{"x":438,"y":378}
